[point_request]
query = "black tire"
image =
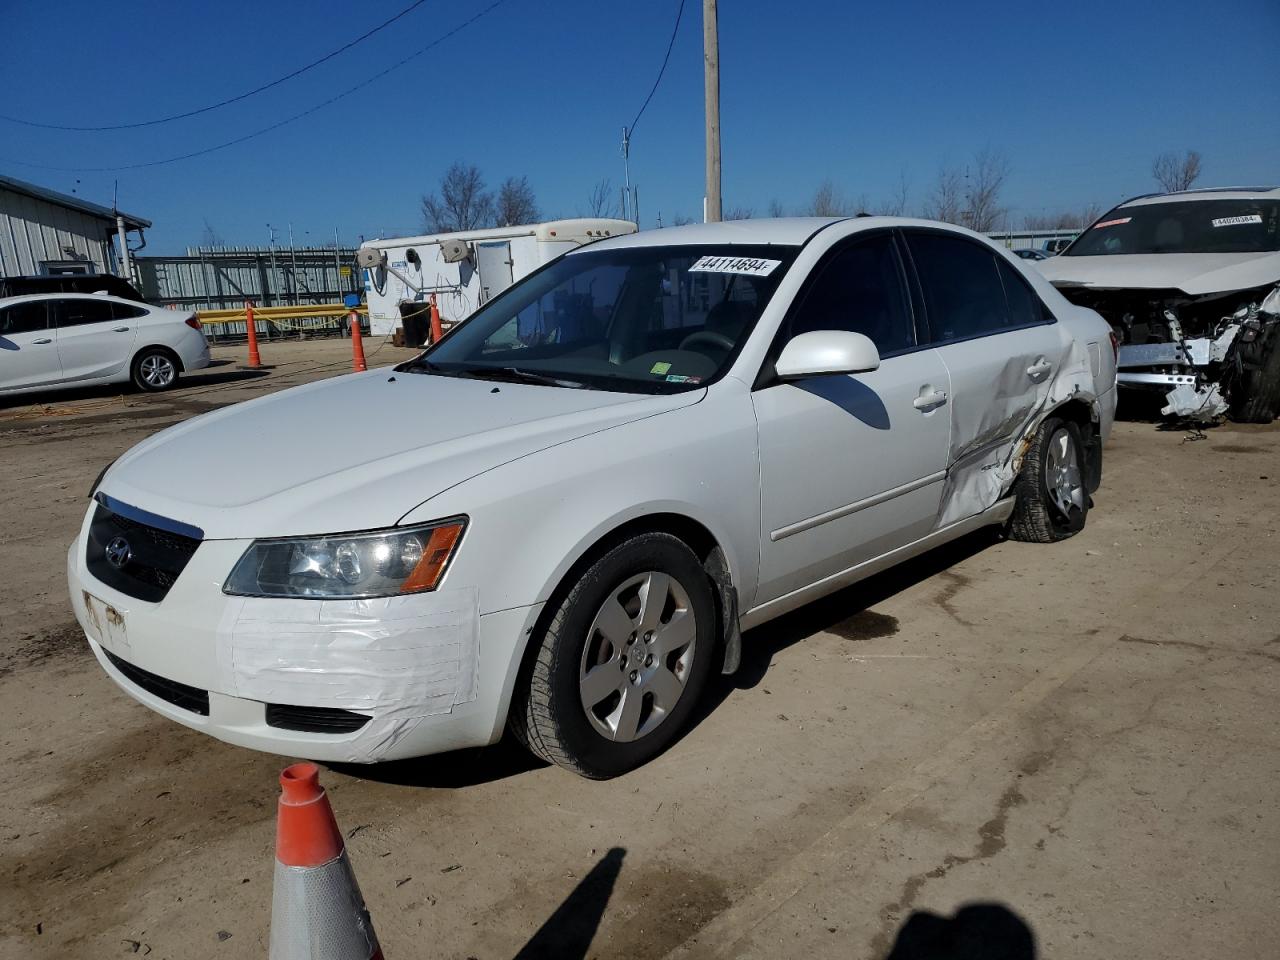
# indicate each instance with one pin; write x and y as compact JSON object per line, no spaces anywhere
{"x":154,"y":369}
{"x":1258,"y":390}
{"x":548,"y":714}
{"x":1038,"y":516}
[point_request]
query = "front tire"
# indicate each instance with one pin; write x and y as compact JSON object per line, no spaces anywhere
{"x":1259,"y":389}
{"x":623,"y":661}
{"x":1052,"y":497}
{"x":154,"y":369}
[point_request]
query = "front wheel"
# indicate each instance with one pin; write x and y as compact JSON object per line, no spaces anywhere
{"x":620,"y":667}
{"x":154,"y":369}
{"x":1052,"y":499}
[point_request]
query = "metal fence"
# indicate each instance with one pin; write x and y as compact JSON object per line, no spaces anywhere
{"x":222,"y":278}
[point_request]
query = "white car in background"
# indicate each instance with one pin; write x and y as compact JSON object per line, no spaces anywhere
{"x":53,"y":341}
{"x":624,"y":460}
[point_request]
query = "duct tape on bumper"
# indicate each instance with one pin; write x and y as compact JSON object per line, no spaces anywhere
{"x":317,"y":913}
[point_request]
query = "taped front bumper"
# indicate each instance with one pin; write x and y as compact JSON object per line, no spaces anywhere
{"x":410,"y":664}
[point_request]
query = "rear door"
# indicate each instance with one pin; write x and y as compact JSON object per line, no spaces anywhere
{"x":493,"y":263}
{"x":93,"y":342}
{"x":851,"y":466}
{"x":1001,"y":346}
{"x":28,"y":346}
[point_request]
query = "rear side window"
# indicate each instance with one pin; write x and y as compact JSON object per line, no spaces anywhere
{"x":859,"y":288}
{"x":77,"y":313}
{"x":963,"y":295}
{"x":126,"y":311}
{"x":1025,"y":307}
{"x":23,"y":318}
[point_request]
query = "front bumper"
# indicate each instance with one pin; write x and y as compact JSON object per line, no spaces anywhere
{"x":428,"y":670}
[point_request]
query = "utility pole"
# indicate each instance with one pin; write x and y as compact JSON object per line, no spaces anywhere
{"x":711,"y":84}
{"x":293,"y":266}
{"x":275,"y":279}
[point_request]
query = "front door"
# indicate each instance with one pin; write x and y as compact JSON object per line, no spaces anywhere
{"x":28,"y":347}
{"x":92,"y":343}
{"x":851,"y":466}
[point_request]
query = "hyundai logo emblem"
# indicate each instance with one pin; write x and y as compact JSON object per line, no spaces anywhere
{"x":119,"y":552}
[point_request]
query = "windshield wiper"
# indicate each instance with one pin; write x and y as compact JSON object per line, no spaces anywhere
{"x":516,"y":375}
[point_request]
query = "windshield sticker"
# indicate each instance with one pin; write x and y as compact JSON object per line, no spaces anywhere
{"x":751,"y":266}
{"x":660,"y":367}
{"x":1233,"y":221}
{"x":673,"y":378}
{"x":1111,"y":223}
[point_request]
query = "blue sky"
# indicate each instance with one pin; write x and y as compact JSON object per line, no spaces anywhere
{"x":1078,"y":96}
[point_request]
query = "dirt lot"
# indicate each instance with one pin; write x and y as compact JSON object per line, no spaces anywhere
{"x":1081,"y":736}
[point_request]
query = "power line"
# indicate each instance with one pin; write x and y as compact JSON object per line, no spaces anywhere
{"x":222,"y":103}
{"x":671,"y":43}
{"x":277,"y":125}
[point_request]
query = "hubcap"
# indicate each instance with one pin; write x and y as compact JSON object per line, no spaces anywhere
{"x":1062,"y":476}
{"x":638,"y":655}
{"x":158,"y":370}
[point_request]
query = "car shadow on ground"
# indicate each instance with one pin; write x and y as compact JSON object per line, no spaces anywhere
{"x":846,"y":612}
{"x":185,"y":383}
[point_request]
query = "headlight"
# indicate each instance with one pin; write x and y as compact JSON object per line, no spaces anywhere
{"x":381,"y":563}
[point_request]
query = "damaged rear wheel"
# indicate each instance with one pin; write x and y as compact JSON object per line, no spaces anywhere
{"x":1052,"y":498}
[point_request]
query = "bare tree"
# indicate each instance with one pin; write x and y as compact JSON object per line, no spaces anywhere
{"x":602,"y":201}
{"x":775,"y":208}
{"x":739,"y":213}
{"x":462,"y":203}
{"x":829,"y":201}
{"x":680,"y":220}
{"x":1175,"y":173}
{"x":1063,"y":220}
{"x":516,"y":203}
{"x":946,"y":200}
{"x":210,"y":237}
{"x":896,"y":206}
{"x":990,"y":171}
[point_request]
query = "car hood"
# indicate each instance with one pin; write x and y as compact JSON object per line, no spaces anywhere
{"x":1192,"y":273}
{"x":357,"y":452}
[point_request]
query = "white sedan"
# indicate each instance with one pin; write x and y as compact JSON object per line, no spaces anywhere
{"x":53,"y":341}
{"x":609,"y":471}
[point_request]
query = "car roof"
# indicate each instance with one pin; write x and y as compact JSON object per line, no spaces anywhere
{"x":1206,"y":193}
{"x":781,"y":231}
{"x":9,"y":301}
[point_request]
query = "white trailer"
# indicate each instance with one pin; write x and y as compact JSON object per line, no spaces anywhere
{"x":463,"y":270}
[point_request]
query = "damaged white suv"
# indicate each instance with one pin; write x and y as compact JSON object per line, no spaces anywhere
{"x":608,"y":471}
{"x":1191,"y":284}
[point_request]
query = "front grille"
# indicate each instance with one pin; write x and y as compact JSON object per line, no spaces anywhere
{"x":179,"y":694}
{"x":314,"y":719}
{"x":155,"y":556}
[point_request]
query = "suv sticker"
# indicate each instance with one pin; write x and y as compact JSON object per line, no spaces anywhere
{"x":1111,"y":223}
{"x":1232,"y":221}
{"x":751,"y":266}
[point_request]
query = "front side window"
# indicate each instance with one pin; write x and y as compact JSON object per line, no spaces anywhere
{"x":1183,"y":226}
{"x":657,"y":319}
{"x":859,"y":289}
{"x":26,"y":317}
{"x":963,"y":294}
{"x":77,"y":313}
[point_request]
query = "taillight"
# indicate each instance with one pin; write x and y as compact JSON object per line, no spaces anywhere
{"x":1115,"y":346}
{"x":194,"y":323}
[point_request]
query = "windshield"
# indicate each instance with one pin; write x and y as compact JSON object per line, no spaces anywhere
{"x":1184,"y":226}
{"x":658,"y":319}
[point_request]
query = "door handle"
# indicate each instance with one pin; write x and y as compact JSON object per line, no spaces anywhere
{"x":43,"y":340}
{"x":1039,"y":369}
{"x":927,"y":401}
{"x":120,"y":329}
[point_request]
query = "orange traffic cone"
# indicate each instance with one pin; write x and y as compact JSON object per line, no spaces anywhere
{"x":357,"y":345}
{"x":317,"y":912}
{"x":436,"y":333}
{"x":251,"y":328}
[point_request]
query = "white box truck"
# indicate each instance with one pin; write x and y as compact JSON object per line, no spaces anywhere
{"x":463,"y":270}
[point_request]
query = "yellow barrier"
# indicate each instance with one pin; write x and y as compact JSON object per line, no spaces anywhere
{"x":280,"y":315}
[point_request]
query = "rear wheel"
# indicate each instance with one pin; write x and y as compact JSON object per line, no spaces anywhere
{"x":623,"y":661}
{"x":154,"y":369}
{"x":1052,"y":499}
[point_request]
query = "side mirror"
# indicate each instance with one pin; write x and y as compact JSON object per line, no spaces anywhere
{"x":825,"y":352}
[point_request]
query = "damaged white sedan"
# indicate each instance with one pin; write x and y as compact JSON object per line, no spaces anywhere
{"x":560,"y":518}
{"x":1191,"y":284}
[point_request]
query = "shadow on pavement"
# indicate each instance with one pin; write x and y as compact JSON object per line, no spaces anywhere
{"x":193,"y":381}
{"x":978,"y":931}
{"x":568,"y":932}
{"x":460,"y":768}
